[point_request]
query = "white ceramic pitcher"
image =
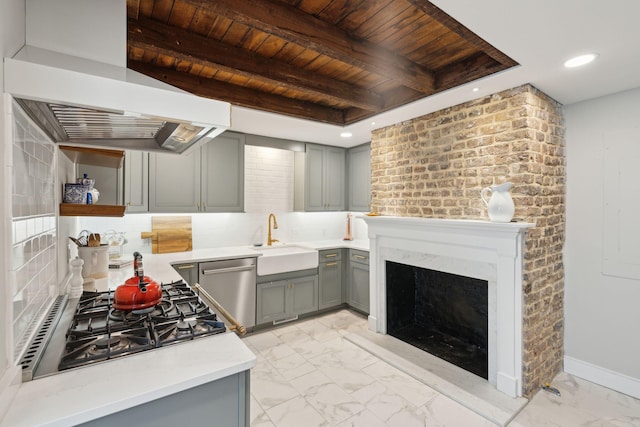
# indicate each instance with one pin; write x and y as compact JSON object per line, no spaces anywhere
{"x":500,"y":207}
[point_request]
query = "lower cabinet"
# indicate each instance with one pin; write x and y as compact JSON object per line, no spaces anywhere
{"x":225,"y":400}
{"x":331,"y":292}
{"x":284,"y":299}
{"x":342,"y":276}
{"x":358,"y":287}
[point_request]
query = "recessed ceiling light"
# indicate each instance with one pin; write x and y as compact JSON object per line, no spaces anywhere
{"x":581,"y":60}
{"x":475,"y":89}
{"x":373,"y":123}
{"x":346,"y":134}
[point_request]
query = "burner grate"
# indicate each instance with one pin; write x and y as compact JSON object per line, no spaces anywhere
{"x":99,"y":332}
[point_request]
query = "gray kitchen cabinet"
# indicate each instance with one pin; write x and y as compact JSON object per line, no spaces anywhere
{"x":272,"y":302}
{"x":210,"y":179}
{"x":223,"y":174}
{"x":324,"y":178}
{"x":174,"y":182}
{"x":330,"y":293}
{"x":136,"y":181}
{"x":223,"y":403}
{"x":358,"y":287}
{"x":188,"y":271}
{"x":359,"y":177}
{"x":285,"y":299}
{"x":304,"y":295}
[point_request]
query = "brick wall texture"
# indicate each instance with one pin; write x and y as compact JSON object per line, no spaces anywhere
{"x":436,"y":165}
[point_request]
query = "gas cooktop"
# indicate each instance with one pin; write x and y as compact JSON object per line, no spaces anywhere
{"x":99,"y":332}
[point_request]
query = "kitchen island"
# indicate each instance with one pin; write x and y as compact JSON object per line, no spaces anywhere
{"x":134,"y":389}
{"x":209,"y":375}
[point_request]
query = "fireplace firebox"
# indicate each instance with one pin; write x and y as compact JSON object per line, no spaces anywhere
{"x":443,"y":314}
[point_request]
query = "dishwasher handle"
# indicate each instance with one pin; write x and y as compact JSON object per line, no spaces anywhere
{"x":228,"y":269}
{"x":236,"y":326}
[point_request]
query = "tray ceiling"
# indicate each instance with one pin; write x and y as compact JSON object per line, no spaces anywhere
{"x":332,"y":61}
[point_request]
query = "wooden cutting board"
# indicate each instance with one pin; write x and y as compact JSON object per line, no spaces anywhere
{"x":169,"y":234}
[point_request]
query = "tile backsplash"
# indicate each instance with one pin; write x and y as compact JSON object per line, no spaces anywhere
{"x":268,"y":180}
{"x":33,"y":268}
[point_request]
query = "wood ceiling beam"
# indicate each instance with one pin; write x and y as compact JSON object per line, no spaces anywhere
{"x":239,"y":95}
{"x":440,"y":16}
{"x":393,"y":98}
{"x":462,"y":72}
{"x":295,"y":26}
{"x":467,"y":70}
{"x":163,"y":39}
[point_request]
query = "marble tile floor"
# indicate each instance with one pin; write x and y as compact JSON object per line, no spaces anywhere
{"x":309,"y":375}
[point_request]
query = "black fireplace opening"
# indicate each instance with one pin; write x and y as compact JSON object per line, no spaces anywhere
{"x":443,"y":314}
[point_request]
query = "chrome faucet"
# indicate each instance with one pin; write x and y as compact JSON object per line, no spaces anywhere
{"x":275,"y":226}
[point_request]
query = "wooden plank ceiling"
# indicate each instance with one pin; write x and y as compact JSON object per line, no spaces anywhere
{"x":333,"y":61}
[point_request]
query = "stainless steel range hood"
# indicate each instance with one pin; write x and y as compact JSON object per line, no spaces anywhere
{"x":79,"y":101}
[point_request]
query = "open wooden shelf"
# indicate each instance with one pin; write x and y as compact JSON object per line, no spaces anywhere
{"x":76,"y":209}
{"x":94,"y":156}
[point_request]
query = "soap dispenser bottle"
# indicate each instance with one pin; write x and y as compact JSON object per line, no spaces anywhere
{"x":348,"y":236}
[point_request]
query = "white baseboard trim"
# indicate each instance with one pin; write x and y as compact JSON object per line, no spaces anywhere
{"x":603,"y":376}
{"x":9,"y":385}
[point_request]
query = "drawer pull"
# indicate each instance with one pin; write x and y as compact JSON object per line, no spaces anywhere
{"x":331,"y":264}
{"x":331,"y":255}
{"x":184,"y":267}
{"x":360,"y":257}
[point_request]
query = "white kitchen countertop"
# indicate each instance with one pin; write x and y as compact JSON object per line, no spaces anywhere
{"x":159,"y":266}
{"x":361,"y":244}
{"x":80,"y":395}
{"x":83,"y":394}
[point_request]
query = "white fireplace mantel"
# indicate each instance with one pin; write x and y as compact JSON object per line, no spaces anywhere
{"x":481,"y":249}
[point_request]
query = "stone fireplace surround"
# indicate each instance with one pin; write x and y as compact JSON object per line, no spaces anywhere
{"x":472,"y":248}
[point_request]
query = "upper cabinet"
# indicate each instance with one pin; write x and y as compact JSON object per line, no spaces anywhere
{"x":324,"y":178}
{"x":174,"y":182}
{"x":359,"y":173}
{"x":209,"y":179}
{"x":222,"y":184}
{"x":136,"y":181}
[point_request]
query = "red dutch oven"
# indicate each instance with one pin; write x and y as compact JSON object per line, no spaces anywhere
{"x":138,"y":292}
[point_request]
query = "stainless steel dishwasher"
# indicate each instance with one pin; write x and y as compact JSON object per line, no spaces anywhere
{"x":232,"y":283}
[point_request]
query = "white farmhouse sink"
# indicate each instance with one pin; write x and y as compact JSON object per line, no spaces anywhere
{"x":283,"y":258}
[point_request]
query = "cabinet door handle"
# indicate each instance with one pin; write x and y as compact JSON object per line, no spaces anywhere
{"x":331,"y":264}
{"x":331,"y":255}
{"x":184,"y":267}
{"x":360,"y":257}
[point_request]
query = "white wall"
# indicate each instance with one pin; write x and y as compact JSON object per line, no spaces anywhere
{"x":213,"y":230}
{"x":102,"y":25}
{"x":12,"y":36}
{"x":602,"y":311}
